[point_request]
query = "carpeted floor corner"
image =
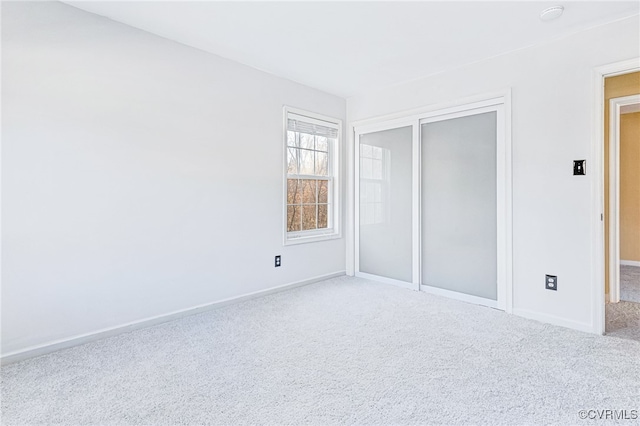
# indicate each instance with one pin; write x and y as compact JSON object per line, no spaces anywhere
{"x":343,"y":351}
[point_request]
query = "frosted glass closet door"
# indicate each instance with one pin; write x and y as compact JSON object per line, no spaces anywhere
{"x":385,"y":203}
{"x":459,"y":242}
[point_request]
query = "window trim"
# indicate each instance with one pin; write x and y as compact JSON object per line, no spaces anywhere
{"x":314,"y":235}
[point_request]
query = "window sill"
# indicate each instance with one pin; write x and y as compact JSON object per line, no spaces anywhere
{"x":290,"y":240}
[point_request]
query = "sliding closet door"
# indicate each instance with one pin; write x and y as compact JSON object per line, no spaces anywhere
{"x":459,"y":216}
{"x":385,"y":200}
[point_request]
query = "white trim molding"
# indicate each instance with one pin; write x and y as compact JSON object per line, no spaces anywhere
{"x":630,"y":263}
{"x":56,"y":345}
{"x":553,"y":320}
{"x":385,"y":280}
{"x":597,"y":325}
{"x":477,"y":101}
{"x":468,"y":298}
{"x":350,"y":203}
{"x":615,"y":107}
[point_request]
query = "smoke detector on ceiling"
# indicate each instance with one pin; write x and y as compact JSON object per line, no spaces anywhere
{"x":551,"y":13}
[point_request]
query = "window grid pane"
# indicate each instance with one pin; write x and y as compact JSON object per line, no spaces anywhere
{"x":291,"y":138}
{"x":294,"y":221}
{"x":322,"y":143}
{"x":292,"y":161}
{"x":323,"y":216}
{"x":308,"y":204}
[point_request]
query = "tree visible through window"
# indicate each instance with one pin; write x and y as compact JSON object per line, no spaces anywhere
{"x":310,"y":144}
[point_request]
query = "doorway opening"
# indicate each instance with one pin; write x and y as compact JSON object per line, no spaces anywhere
{"x":622,"y":204}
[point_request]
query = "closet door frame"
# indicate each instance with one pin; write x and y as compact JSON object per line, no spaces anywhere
{"x":497,"y":101}
{"x":501,"y":207}
{"x":415,"y":235}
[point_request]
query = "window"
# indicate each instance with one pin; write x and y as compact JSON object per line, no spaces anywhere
{"x":311,"y":188}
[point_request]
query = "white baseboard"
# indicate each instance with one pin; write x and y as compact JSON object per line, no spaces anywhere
{"x":468,"y":298}
{"x":386,"y":280}
{"x":554,"y":320}
{"x":56,"y":345}
{"x":630,"y":262}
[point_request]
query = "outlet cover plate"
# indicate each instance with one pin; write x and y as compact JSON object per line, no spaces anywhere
{"x":551,"y":282}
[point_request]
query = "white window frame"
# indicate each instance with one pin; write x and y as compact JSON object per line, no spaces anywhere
{"x":333,"y":231}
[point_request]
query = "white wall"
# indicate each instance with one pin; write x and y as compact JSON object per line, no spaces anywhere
{"x":139,"y":176}
{"x":552,"y":106}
